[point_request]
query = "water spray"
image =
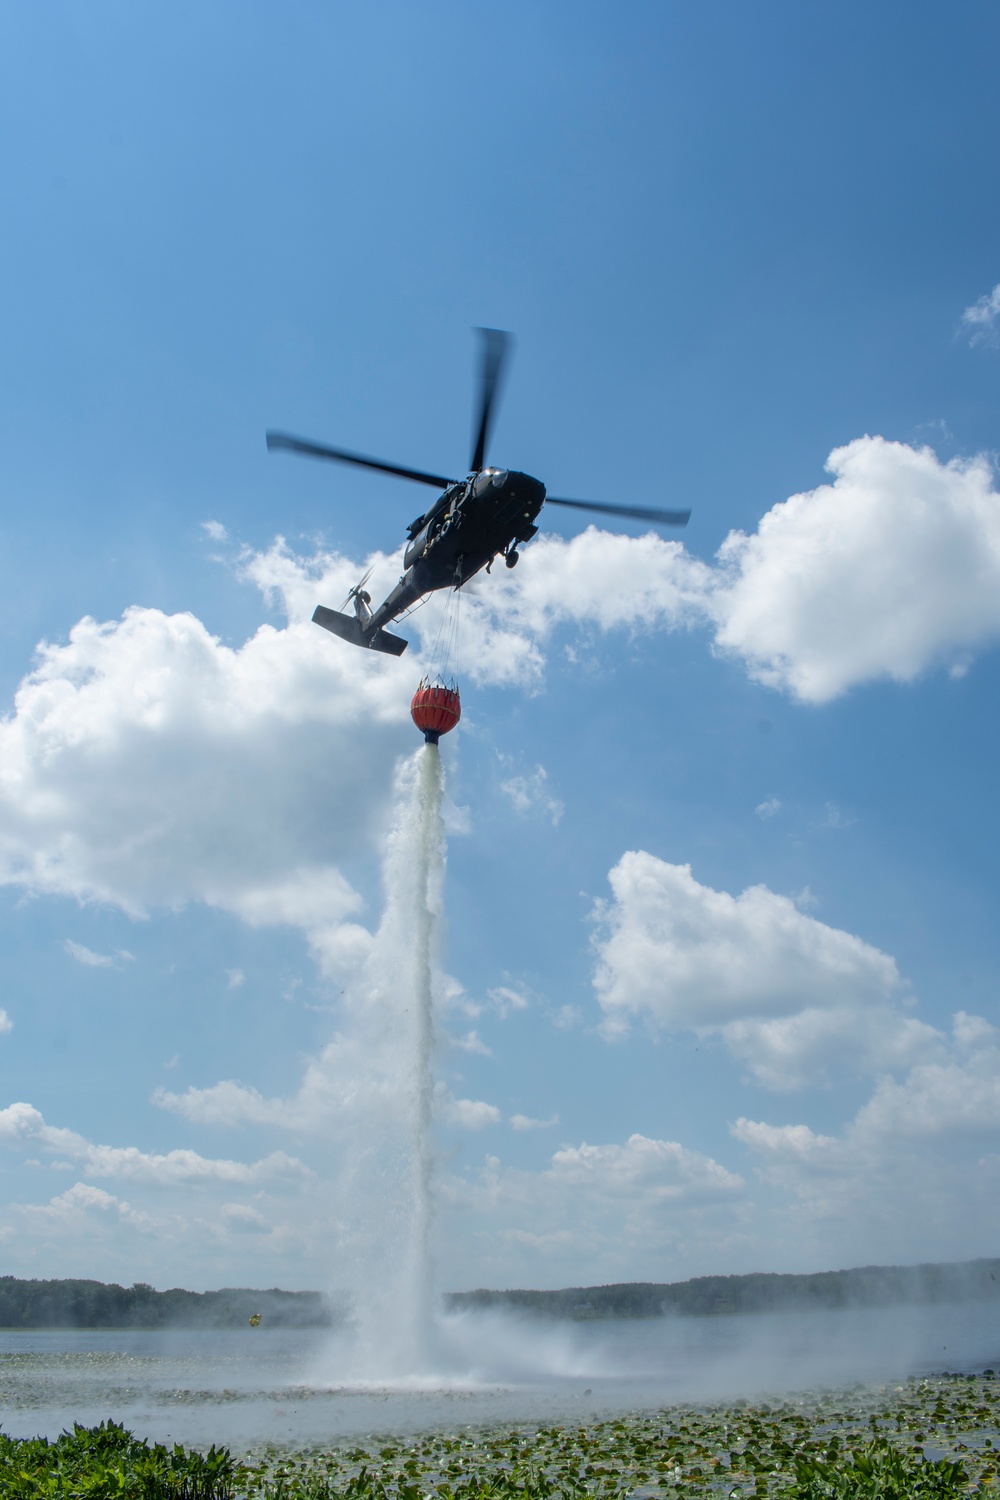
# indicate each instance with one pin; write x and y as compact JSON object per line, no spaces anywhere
{"x":388,"y":1190}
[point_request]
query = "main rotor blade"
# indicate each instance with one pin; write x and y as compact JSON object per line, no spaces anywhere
{"x":343,"y":456}
{"x":633,"y":512}
{"x":495,"y":346}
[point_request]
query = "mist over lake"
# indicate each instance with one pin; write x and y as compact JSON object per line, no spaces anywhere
{"x":293,"y":1386}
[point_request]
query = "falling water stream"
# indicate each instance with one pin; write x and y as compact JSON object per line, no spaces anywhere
{"x":390,"y":1191}
{"x":427,"y":872}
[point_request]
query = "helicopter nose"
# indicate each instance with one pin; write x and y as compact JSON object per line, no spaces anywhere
{"x":520,"y":495}
{"x":532,"y":489}
{"x":529,"y":491}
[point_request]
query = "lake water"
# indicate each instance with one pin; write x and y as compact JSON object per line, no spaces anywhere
{"x":249,"y":1386}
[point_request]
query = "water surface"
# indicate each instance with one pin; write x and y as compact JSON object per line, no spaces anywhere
{"x":302,"y":1387}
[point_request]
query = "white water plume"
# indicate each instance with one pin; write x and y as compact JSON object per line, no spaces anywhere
{"x":387,"y":1211}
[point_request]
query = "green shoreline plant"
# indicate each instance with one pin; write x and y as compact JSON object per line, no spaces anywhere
{"x":109,"y":1463}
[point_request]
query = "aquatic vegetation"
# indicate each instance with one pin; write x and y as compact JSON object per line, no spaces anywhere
{"x":933,"y":1439}
{"x":922,"y":1440}
{"x":108,"y":1463}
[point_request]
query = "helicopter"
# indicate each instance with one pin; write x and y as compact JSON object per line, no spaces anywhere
{"x":486,"y":515}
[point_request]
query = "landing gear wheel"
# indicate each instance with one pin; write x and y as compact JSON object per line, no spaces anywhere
{"x":511,"y":557}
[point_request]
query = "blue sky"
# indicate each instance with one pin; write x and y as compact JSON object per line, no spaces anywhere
{"x":748,"y":254}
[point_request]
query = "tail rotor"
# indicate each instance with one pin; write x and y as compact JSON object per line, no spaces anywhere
{"x":358,"y":591}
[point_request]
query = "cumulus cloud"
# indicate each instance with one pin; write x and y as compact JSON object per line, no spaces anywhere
{"x":87,"y":956}
{"x":889,"y":570}
{"x":68,"y":1208}
{"x":635,"y":1206}
{"x":980,"y":320}
{"x":669,"y":1170}
{"x":787,"y":994}
{"x":525,"y":1122}
{"x":91,"y":960}
{"x":228,"y":1103}
{"x":470,"y":1042}
{"x":243,"y":1219}
{"x":21,"y":1125}
{"x":921,"y":1157}
{"x":530,"y":794}
{"x":768,"y":807}
{"x":6,"y":1024}
{"x":505,"y":1000}
{"x":471,"y":1114}
{"x":97,"y":1231}
{"x":343,"y":1085}
{"x":147,"y":765}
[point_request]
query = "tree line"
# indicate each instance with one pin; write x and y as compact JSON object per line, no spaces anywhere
{"x":758,"y":1292}
{"x":95,"y":1304}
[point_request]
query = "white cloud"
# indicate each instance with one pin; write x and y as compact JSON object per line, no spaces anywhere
{"x":243,"y":1219}
{"x":235,"y":979}
{"x":919,"y":1164}
{"x":959,"y":1096}
{"x":506,"y":1000}
{"x":834,"y":818}
{"x":87,"y":957}
{"x":597,"y":1212}
{"x":668,"y":1169}
{"x":147,"y":765}
{"x":215,"y":530}
{"x":982,"y":317}
{"x":889,"y":570}
{"x":232,"y":1103}
{"x":471,"y":1114}
{"x":525,"y":1122}
{"x":530,"y":794}
{"x":67,"y":1209}
{"x":21,"y":1125}
{"x":6,"y":1024}
{"x":597,"y":580}
{"x":768,"y":808}
{"x":470,"y":1042}
{"x":92,"y":960}
{"x":788,"y":995}
{"x":341,"y":1086}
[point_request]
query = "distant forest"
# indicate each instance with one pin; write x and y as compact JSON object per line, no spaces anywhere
{"x":93,"y":1304}
{"x":760,"y":1292}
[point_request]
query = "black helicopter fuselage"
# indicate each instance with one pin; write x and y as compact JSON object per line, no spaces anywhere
{"x":472,"y":523}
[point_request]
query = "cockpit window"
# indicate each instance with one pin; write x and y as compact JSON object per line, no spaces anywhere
{"x":490,"y":477}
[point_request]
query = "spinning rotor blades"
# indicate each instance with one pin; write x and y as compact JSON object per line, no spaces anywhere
{"x":495,"y":346}
{"x":343,"y":456}
{"x":634,"y":512}
{"x":357,"y":588}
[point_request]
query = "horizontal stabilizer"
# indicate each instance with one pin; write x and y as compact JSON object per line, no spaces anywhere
{"x":349,"y":629}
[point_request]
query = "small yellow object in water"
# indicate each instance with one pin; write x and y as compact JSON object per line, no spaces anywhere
{"x":255,"y":1320}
